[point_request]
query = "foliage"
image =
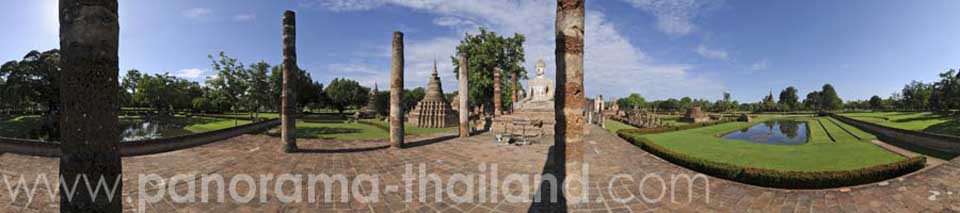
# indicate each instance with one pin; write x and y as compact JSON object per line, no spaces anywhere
{"x":789,"y":99}
{"x":346,"y":93}
{"x":31,"y":84}
{"x":635,"y":100}
{"x":829,"y":98}
{"x":876,"y":103}
{"x":411,"y":98}
{"x":769,"y":104}
{"x":485,"y":51}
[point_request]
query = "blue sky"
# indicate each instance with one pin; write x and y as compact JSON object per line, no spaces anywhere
{"x":659,"y":48}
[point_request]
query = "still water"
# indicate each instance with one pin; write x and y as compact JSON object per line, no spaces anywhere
{"x":777,"y":132}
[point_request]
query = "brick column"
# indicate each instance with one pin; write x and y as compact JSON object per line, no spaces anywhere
{"x":464,"y":97}
{"x":396,"y":92}
{"x":89,"y":127}
{"x":288,"y":129}
{"x":497,"y":97}
{"x":570,"y":94}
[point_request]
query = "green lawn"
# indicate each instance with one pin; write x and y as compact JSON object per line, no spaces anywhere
{"x":917,"y":121}
{"x":343,"y":131}
{"x":614,"y":126}
{"x":412,"y":129}
{"x":19,"y":126}
{"x":215,"y":125}
{"x":819,"y":154}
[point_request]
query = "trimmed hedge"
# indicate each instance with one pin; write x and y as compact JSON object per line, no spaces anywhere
{"x":778,"y":178}
{"x":643,"y":131}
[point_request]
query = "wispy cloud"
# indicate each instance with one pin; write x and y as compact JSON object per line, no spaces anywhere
{"x":190,"y":73}
{"x":195,"y":13}
{"x":610,"y":57}
{"x":343,"y":5}
{"x":244,"y":17}
{"x":707,"y":52}
{"x":674,"y":17}
{"x":760,"y":66}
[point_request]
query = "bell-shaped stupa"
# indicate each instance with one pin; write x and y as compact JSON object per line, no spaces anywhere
{"x":433,"y":111}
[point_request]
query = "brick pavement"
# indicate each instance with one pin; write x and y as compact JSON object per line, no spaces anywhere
{"x":933,"y":189}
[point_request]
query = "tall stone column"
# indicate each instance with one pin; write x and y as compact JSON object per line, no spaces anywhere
{"x":513,"y":92}
{"x":288,"y":129}
{"x":464,"y":97}
{"x":570,"y":94}
{"x":396,"y":92}
{"x":90,"y":129}
{"x":497,"y":97}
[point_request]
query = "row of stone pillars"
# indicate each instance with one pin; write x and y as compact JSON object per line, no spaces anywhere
{"x":89,"y":40}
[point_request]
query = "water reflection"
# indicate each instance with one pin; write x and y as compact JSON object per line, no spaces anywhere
{"x":138,"y":129}
{"x":778,"y":132}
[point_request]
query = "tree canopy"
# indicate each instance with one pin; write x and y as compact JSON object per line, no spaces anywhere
{"x":485,"y":51}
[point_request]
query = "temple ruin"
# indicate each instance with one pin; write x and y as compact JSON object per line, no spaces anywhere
{"x":433,"y":111}
{"x":694,"y":115}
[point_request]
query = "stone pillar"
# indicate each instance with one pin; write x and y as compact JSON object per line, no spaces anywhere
{"x":89,"y":127}
{"x":513,"y":92}
{"x":497,"y":97}
{"x":570,"y":94}
{"x":396,"y":92}
{"x":288,"y":97}
{"x":464,"y":96}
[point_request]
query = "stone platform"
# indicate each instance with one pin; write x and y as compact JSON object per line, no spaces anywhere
{"x":545,"y":120}
{"x":610,"y":159}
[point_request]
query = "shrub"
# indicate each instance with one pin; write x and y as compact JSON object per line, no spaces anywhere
{"x":777,"y":178}
{"x":644,"y":131}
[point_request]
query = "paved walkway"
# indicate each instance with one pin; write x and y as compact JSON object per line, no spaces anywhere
{"x":936,"y":189}
{"x":931,"y":161}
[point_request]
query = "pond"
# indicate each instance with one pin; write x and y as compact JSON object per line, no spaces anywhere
{"x":138,"y":129}
{"x":776,"y":132}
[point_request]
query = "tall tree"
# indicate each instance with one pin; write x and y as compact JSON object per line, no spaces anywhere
{"x":876,"y":103}
{"x":230,"y":81}
{"x":346,"y":93}
{"x":829,"y":98}
{"x":634,"y":100}
{"x":487,"y":50}
{"x":259,"y":87}
{"x":789,"y":99}
{"x":917,"y":95}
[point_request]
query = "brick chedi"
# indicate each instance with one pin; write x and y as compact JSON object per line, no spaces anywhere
{"x":433,"y":111}
{"x":371,"y":110}
{"x":695,"y":115}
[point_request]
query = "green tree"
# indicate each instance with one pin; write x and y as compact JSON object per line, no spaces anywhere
{"x":259,"y":87}
{"x":769,"y":104}
{"x":917,"y":95}
{"x":346,"y":93}
{"x":812,"y":102}
{"x":485,"y":51}
{"x":789,"y":99}
{"x":230,"y":81}
{"x":829,"y":99}
{"x":411,"y":98}
{"x":634,"y":100}
{"x":876,"y":103}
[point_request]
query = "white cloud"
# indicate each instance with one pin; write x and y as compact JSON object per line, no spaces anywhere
{"x":707,"y":52}
{"x":674,"y":17}
{"x":196,"y":13}
{"x":191,"y":73}
{"x":343,"y":5}
{"x":613,"y":66}
{"x":244,"y":17}
{"x":760,"y":66}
